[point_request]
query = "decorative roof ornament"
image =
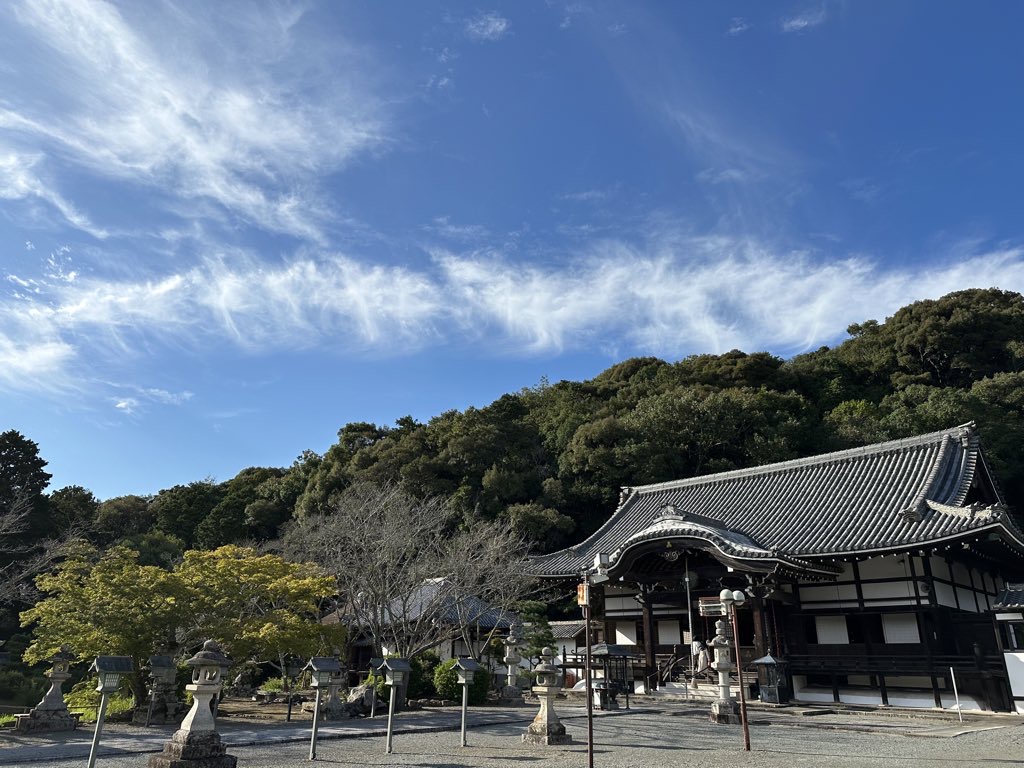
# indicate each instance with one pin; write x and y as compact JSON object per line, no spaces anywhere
{"x":670,"y":511}
{"x":914,"y":514}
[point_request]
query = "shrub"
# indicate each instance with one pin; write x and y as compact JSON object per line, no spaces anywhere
{"x":18,"y":688}
{"x":85,"y":699}
{"x":421,"y":679}
{"x":272,"y":684}
{"x":446,"y":681}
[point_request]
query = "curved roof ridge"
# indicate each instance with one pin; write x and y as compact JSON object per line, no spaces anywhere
{"x":957,"y":432}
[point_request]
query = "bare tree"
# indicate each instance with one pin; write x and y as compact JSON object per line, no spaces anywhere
{"x":21,"y":561}
{"x":407,"y":575}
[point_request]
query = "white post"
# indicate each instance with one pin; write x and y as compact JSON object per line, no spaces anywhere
{"x":391,"y":715}
{"x":956,"y":695}
{"x":316,"y":722}
{"x":99,"y":729}
{"x":465,"y":705}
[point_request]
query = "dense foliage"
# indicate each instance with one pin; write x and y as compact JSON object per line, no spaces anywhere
{"x":550,"y":459}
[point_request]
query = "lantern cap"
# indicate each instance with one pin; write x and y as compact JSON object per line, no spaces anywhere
{"x":323,"y":664}
{"x":210,"y":656}
{"x":396,"y":665}
{"x":767,"y":661}
{"x":160,"y":662}
{"x":63,"y":654}
{"x":121,"y":665}
{"x":375,"y":663}
{"x":468,"y":665}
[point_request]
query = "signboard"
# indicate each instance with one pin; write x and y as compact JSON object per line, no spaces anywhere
{"x":711,"y":606}
{"x":582,"y":594}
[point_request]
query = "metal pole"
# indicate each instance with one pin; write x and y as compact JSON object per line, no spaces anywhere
{"x":590,"y":695}
{"x":689,"y":606}
{"x":373,"y":699}
{"x":316,"y":722}
{"x":959,"y":711}
{"x":739,"y":677}
{"x":152,"y":703}
{"x":391,"y":714}
{"x":465,"y":705}
{"x":99,"y":729}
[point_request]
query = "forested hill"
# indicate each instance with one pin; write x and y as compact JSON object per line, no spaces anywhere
{"x":553,"y":457}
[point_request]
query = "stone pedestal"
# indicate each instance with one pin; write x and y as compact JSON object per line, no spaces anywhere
{"x":725,"y":710}
{"x":163,"y":707}
{"x":193,"y":750}
{"x":51,"y":714}
{"x":546,"y":728}
{"x":197,"y":744}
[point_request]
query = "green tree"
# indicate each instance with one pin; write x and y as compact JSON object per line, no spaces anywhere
{"x":73,"y":508}
{"x":106,"y":604}
{"x":123,"y":516}
{"x":259,"y":607}
{"x":180,"y":510}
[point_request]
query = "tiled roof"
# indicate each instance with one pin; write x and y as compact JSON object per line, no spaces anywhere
{"x":566,"y":629}
{"x":1011,"y":598}
{"x":881,"y":497}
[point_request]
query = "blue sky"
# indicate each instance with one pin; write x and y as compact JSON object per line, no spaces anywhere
{"x":228,"y":229}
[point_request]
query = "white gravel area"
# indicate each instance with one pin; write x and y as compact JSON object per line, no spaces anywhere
{"x":667,"y":737}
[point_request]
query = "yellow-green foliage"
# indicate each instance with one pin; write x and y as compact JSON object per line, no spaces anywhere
{"x":257,"y":606}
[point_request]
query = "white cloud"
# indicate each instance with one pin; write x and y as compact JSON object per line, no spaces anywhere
{"x":671,"y":295}
{"x":128,"y":405}
{"x":187,"y":119}
{"x":737,"y":26}
{"x":19,"y":181}
{"x":487,"y":27}
{"x":804,"y":21}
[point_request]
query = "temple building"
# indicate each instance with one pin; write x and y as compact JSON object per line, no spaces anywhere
{"x":874,"y":572}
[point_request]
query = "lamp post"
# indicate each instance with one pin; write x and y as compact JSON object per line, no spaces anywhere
{"x":466,"y":669}
{"x":292,"y":669}
{"x":598,"y":574}
{"x":323,"y":668}
{"x":733,"y":600}
{"x":110,"y":670}
{"x":396,"y":672}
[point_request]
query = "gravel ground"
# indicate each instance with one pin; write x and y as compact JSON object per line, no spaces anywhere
{"x":670,"y":737}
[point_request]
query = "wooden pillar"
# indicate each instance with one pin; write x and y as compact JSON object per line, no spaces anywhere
{"x":760,"y":636}
{"x":650,"y":661}
{"x":931,"y":625}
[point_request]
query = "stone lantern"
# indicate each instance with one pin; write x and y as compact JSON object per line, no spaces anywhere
{"x":725,"y":709}
{"x":51,"y":714}
{"x":512,"y":659}
{"x":546,"y":728}
{"x":197,"y":743}
{"x":163,"y":696}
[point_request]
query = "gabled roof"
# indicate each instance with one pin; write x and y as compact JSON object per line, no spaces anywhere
{"x":792,"y":515}
{"x":438,"y":597}
{"x":567,"y":630}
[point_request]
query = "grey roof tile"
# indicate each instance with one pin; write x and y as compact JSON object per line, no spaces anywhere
{"x":888,"y":496}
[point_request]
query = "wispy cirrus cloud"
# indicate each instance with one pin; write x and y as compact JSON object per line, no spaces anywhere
{"x":671,"y":294}
{"x":801,"y":22}
{"x":136,"y":108}
{"x":737,"y":26}
{"x":19,"y":180}
{"x":487,"y":26}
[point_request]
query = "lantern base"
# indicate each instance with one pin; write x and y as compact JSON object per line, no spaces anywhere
{"x":47,"y":720}
{"x":725,"y":712}
{"x":546,"y":735}
{"x":193,"y":750}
